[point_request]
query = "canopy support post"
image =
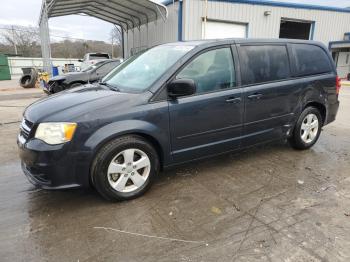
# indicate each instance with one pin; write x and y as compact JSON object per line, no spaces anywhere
{"x":45,"y":39}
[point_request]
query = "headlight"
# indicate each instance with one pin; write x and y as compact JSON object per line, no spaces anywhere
{"x":55,"y":133}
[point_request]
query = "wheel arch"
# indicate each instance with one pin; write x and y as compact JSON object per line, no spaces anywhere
{"x":149,"y":138}
{"x":321,"y":108}
{"x":155,"y":143}
{"x":145,"y":130}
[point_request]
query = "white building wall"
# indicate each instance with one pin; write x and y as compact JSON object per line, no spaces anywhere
{"x":329,"y":25}
{"x":16,"y":64}
{"x":153,"y":33}
{"x":343,"y":64}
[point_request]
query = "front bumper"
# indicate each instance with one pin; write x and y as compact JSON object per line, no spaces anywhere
{"x":53,"y":167}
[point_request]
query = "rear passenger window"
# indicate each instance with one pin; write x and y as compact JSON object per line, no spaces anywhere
{"x":310,"y":60}
{"x":264,"y":63}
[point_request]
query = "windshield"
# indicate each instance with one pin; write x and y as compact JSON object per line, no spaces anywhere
{"x":138,"y":73}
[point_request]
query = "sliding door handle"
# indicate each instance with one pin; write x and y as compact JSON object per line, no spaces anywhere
{"x":255,"y":96}
{"x":234,"y":100}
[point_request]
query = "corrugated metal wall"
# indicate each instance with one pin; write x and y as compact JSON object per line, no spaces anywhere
{"x":329,"y":25}
{"x":153,"y":33}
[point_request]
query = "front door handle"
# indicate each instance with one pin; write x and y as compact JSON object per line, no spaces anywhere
{"x":255,"y":96}
{"x":234,"y":100}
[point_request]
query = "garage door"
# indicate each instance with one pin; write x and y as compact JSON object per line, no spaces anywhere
{"x":215,"y":30}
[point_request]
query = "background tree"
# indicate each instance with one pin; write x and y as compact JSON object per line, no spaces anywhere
{"x":24,"y":40}
{"x":116,"y":39}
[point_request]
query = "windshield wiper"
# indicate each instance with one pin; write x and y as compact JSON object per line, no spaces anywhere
{"x":110,"y":86}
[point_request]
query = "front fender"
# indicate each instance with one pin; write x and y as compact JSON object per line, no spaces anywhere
{"x":124,"y":127}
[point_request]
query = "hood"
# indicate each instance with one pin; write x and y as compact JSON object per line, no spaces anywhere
{"x":70,"y":104}
{"x":70,"y":76}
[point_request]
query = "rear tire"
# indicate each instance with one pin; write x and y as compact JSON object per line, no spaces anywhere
{"x":125,"y":168}
{"x":27,"y":81}
{"x":307,"y":129}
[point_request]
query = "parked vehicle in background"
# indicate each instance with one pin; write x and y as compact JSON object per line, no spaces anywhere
{"x":90,"y":74}
{"x":176,"y":103}
{"x":92,"y":58}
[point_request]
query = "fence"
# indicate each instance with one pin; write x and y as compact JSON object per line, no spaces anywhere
{"x":16,"y":64}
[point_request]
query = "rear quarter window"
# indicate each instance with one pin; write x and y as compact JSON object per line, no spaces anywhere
{"x":310,"y":60}
{"x":107,"y":67}
{"x":99,"y":56}
{"x":263,"y":63}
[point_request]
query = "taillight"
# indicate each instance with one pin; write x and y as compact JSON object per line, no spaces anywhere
{"x":337,"y":84}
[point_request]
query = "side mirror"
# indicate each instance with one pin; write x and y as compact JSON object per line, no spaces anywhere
{"x":80,"y":60}
{"x":181,"y":87}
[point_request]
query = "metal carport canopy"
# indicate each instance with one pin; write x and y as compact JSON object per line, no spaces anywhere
{"x":128,"y":14}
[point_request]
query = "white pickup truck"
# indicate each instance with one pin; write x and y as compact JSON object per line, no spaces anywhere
{"x":92,"y":58}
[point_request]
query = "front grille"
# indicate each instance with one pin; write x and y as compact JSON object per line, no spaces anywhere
{"x":25,"y":128}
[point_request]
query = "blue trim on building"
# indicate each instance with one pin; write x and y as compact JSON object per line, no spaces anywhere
{"x":179,"y":21}
{"x":347,"y":33}
{"x":280,"y":4}
{"x":337,"y":42}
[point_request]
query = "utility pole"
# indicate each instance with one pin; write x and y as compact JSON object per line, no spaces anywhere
{"x":205,"y":19}
{"x":112,"y":45}
{"x":13,"y":39}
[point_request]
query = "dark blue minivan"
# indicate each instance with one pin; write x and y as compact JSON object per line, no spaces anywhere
{"x":176,"y":103}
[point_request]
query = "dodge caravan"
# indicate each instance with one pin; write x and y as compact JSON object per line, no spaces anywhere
{"x":176,"y":103}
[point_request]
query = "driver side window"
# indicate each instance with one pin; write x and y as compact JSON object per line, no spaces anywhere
{"x":211,"y":71}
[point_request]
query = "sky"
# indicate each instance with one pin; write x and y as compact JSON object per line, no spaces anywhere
{"x":26,"y":13}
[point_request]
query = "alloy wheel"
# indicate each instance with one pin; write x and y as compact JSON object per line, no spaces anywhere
{"x":129,"y":170}
{"x":309,"y":128}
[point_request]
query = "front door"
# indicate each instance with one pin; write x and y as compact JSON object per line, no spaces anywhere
{"x":210,"y":121}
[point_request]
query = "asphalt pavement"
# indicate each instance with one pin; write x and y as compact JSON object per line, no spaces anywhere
{"x":269,"y":203}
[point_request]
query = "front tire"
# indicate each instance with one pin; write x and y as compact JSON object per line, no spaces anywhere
{"x":307,"y":129}
{"x":55,"y":88}
{"x":125,"y":168}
